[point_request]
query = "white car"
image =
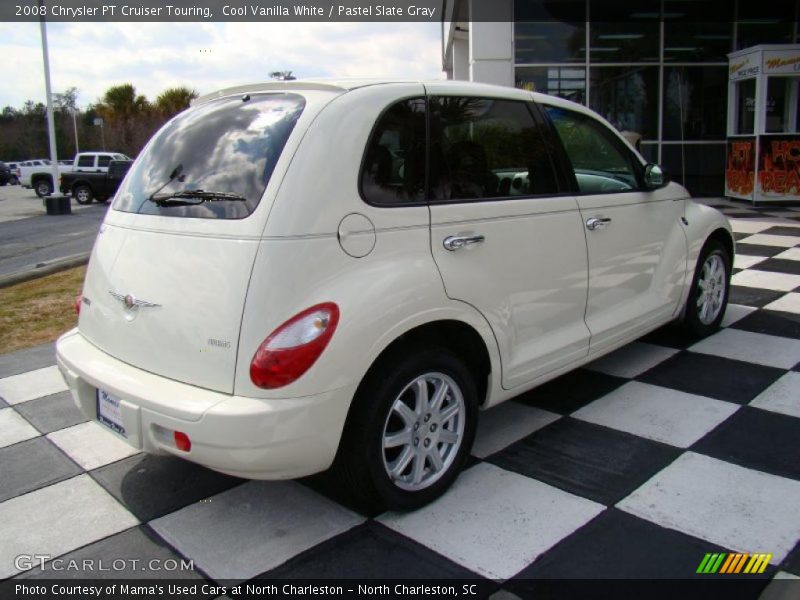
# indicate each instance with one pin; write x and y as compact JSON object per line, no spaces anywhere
{"x":300,"y":275}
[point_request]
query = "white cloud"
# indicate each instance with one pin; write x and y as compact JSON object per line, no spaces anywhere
{"x":206,"y":57}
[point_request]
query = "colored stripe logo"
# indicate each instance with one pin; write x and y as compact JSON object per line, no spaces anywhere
{"x":722,"y":562}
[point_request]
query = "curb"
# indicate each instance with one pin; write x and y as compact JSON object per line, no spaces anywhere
{"x":44,"y":268}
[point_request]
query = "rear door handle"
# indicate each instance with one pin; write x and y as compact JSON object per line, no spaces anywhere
{"x":456,"y":242}
{"x":597,"y":223}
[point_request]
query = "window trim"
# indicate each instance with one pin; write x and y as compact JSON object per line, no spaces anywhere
{"x":562,"y":182}
{"x":635,"y":162}
{"x":562,"y":191}
{"x":363,"y":164}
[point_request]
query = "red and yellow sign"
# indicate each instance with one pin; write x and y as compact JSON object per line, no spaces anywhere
{"x":740,"y":170}
{"x":779,"y":167}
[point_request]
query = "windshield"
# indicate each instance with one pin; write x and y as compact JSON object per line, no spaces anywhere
{"x":227,"y":146}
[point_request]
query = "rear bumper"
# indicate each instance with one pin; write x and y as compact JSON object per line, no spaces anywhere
{"x":247,"y":437}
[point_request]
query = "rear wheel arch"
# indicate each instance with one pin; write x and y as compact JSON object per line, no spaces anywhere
{"x":448,"y":350}
{"x":459,"y":337}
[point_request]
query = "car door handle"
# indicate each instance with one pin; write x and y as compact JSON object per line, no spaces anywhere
{"x":597,"y":223}
{"x":456,"y":242}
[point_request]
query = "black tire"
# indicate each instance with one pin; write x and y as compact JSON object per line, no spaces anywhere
{"x":695,"y":324}
{"x":361,"y":462}
{"x":13,"y":180}
{"x":3,"y":183}
{"x":42,"y":188}
{"x":83,"y":194}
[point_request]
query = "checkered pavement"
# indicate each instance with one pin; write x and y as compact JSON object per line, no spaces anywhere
{"x":635,"y":466}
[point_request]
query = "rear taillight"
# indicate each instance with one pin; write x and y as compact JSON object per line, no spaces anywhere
{"x":292,"y":348}
{"x":78,"y":300}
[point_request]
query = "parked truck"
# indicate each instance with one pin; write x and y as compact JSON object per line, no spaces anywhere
{"x":86,"y":186}
{"x":40,"y":178}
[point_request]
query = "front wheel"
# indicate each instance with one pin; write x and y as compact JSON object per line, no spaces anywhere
{"x":82,"y":194}
{"x":410,"y":431}
{"x":708,"y":296}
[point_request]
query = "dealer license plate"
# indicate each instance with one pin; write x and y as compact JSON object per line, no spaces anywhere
{"x":109,"y":412}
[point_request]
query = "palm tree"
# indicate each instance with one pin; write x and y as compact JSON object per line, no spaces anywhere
{"x":120,"y":107}
{"x":174,"y":100}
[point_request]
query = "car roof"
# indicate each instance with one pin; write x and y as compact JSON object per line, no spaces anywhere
{"x":343,"y":85}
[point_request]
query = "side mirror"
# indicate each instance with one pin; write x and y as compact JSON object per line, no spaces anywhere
{"x":654,"y":177}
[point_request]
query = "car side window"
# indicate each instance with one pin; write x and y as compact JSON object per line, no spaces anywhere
{"x":601,"y":163}
{"x":103,"y":160}
{"x":485,"y":148}
{"x":86,"y":161}
{"x":393,"y":170}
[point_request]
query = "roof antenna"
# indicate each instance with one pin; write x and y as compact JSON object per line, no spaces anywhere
{"x":282,"y":76}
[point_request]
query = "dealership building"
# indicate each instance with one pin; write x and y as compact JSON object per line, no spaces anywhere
{"x":656,"y":68}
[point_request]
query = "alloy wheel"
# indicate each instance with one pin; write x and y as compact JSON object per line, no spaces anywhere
{"x":711,"y":289}
{"x":423,"y":431}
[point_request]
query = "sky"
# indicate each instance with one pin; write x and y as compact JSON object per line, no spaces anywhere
{"x":207,"y":56}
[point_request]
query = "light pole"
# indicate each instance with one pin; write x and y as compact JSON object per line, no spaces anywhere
{"x":99,"y":121}
{"x":65,"y":104}
{"x":50,"y":122}
{"x":73,"y":110}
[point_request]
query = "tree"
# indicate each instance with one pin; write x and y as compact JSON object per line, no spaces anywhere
{"x":123,"y":111}
{"x":174,"y":100}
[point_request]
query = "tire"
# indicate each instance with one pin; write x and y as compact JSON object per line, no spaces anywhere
{"x":388,"y":408}
{"x":82,"y":194}
{"x":43,"y":188}
{"x":13,"y":180}
{"x":708,"y":296}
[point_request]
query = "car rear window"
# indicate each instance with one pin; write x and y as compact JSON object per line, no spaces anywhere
{"x":226,"y":146}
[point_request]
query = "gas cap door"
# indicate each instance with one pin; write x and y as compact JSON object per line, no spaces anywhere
{"x":356,"y":235}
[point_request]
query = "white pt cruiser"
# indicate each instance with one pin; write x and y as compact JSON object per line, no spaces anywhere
{"x":302,"y":275}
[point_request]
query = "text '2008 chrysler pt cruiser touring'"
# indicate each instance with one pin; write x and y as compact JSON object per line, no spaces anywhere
{"x":298,"y":275}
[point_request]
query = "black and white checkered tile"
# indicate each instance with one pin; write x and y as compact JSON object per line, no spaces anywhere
{"x":632,"y":467}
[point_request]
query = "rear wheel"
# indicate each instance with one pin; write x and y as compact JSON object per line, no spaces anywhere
{"x":708,"y":297}
{"x":410,"y":431}
{"x":82,"y":194}
{"x":13,"y":180}
{"x":43,"y":188}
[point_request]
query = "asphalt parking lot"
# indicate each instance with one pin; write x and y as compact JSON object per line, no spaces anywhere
{"x":636,"y":466}
{"x":30,"y":237}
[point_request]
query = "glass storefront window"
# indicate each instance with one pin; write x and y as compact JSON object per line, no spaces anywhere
{"x":765,"y":23}
{"x":745,"y":106}
{"x":753,"y":34}
{"x":565,"y":82}
{"x":627,"y":97}
{"x":624,"y":31}
{"x":699,"y":167}
{"x":549,"y":42}
{"x":695,"y":103}
{"x":698,"y":31}
{"x":548,"y":31}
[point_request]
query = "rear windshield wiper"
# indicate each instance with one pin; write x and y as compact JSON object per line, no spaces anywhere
{"x":194,"y":197}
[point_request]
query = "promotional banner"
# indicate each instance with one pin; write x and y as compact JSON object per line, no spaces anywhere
{"x":779,"y":167}
{"x":740,"y":168}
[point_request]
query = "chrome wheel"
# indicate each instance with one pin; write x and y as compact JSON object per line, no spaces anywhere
{"x":42,"y":189}
{"x":423,"y":431}
{"x":711,"y":289}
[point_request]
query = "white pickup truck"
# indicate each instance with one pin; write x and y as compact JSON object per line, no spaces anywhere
{"x":40,"y":177}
